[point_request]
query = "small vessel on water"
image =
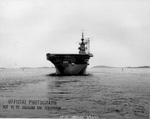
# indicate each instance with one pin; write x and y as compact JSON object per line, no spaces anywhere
{"x":72,"y":64}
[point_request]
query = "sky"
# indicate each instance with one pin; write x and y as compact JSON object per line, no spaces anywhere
{"x":119,"y":31}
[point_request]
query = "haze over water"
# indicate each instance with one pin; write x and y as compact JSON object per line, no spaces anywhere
{"x":108,"y":93}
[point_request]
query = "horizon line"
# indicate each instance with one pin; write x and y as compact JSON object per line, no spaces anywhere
{"x":106,"y":66}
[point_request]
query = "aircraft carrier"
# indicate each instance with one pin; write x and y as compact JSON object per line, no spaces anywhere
{"x":72,"y":64}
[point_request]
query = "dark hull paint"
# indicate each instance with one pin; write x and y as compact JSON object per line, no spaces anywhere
{"x":69,"y":64}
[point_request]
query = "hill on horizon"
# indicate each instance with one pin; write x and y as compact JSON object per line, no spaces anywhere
{"x":102,"y":66}
{"x":140,"y":67}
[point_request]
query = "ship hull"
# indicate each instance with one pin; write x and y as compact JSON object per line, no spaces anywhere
{"x":76,"y":69}
{"x":69,"y":64}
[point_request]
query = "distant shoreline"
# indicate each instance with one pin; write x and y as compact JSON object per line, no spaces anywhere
{"x":103,"y":66}
{"x":139,"y":67}
{"x":98,"y":66}
{"x":26,"y":67}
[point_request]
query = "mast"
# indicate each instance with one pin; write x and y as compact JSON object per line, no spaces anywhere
{"x":88,"y":45}
{"x":82,"y":48}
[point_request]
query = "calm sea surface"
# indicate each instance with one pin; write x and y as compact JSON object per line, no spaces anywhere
{"x":106,"y":93}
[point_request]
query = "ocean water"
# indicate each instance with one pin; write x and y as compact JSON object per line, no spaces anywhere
{"x":105,"y":93}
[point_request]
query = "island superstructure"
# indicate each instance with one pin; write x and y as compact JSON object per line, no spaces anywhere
{"x":72,"y":64}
